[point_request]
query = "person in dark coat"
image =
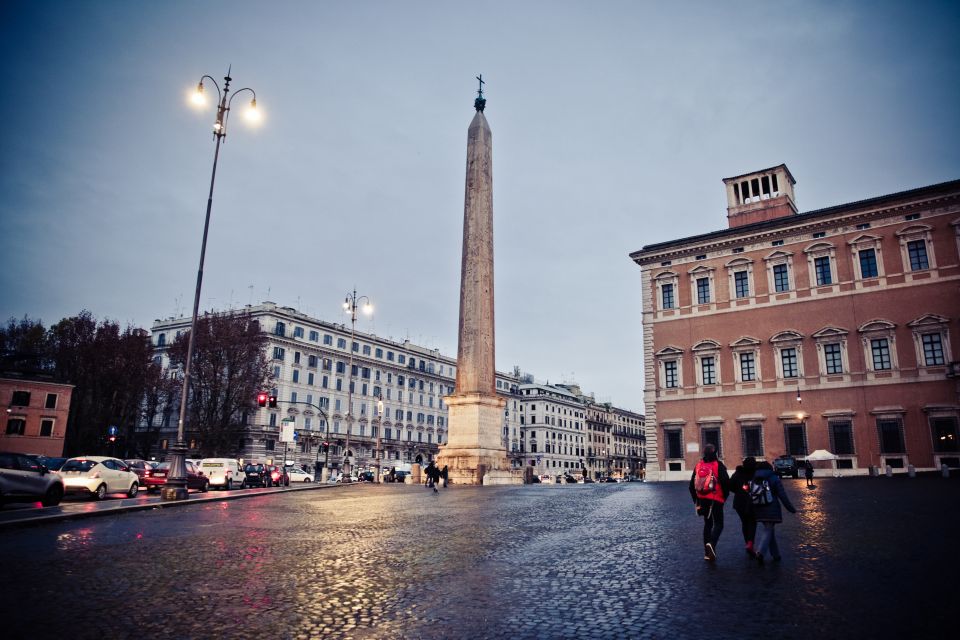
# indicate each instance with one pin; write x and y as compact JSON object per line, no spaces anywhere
{"x":768,"y":514}
{"x":808,"y":472}
{"x":709,"y":502}
{"x":740,"y":488}
{"x":433,"y":476}
{"x":445,"y":474}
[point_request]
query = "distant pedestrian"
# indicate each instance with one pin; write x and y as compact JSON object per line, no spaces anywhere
{"x":808,"y":473}
{"x":740,"y":487}
{"x":709,"y":487}
{"x":445,"y":474}
{"x":766,"y":493}
{"x":433,"y":475}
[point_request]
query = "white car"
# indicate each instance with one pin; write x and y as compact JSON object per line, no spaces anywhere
{"x":298,"y":475}
{"x":222,"y":472}
{"x":96,"y":476}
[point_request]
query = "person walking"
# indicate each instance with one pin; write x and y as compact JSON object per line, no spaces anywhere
{"x":445,"y":474}
{"x":766,"y":494}
{"x":740,"y":487}
{"x":808,"y":473}
{"x":429,"y":471}
{"x":709,"y":488}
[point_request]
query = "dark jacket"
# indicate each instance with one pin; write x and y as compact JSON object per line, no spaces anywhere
{"x":771,"y":512}
{"x":722,"y":476}
{"x":740,"y":488}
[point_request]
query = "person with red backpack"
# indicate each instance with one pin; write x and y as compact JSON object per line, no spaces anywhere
{"x":709,"y":488}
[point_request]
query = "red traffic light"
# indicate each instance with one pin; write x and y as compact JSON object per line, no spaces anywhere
{"x":262,"y":399}
{"x":112,"y":438}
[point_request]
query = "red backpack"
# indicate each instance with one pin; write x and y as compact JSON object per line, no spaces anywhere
{"x":705,"y":481}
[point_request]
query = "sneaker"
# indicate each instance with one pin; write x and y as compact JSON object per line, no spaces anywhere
{"x":709,"y":552}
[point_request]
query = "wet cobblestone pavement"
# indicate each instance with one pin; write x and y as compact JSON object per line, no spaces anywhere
{"x":864,"y":558}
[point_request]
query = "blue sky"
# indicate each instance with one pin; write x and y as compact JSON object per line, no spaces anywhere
{"x":613,"y":124}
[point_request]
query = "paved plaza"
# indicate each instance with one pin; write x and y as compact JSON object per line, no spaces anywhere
{"x":864,"y":558}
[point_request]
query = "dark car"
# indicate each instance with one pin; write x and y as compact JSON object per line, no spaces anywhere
{"x":786,"y":466}
{"x":255,"y":475}
{"x":142,"y":468}
{"x":278,"y":477}
{"x":365,"y":476}
{"x":158,"y":477}
{"x":52,"y":464}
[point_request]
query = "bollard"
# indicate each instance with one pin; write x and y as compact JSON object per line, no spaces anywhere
{"x":945,"y":471}
{"x":872,"y":471}
{"x":889,"y":471}
{"x":911,"y":471}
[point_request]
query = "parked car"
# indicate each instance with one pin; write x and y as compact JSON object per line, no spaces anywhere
{"x":141,"y":467}
{"x":96,"y":476}
{"x":277,"y":477}
{"x":222,"y":472}
{"x":366,"y":476}
{"x":786,"y":466}
{"x":52,"y":464}
{"x":255,"y":475}
{"x":24,"y":478}
{"x":299,"y":475}
{"x":195,"y":477}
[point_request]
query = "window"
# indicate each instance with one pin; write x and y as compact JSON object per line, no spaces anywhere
{"x":314,"y":336}
{"x":747,"y":367}
{"x":868,"y":263}
{"x":378,"y":353}
{"x":781,"y":280}
{"x":16,"y":426}
{"x":327,"y":339}
{"x":298,"y":332}
{"x":741,"y":284}
{"x":278,"y":353}
{"x":296,"y":357}
{"x":296,"y":375}
{"x":162,"y":340}
{"x":356,"y":346}
{"x":310,"y":378}
{"x":841,"y":437}
{"x":703,"y":290}
{"x":674,"y":442}
{"x":711,"y":435}
{"x":788,"y":362}
{"x":20,"y":399}
{"x":666,"y":296}
{"x":932,"y":349}
{"x":312,"y":361}
{"x":51,"y":402}
{"x":833,"y":359}
{"x":46,"y":427}
{"x":944,"y":432}
{"x":822,"y":267}
{"x":670,"y":374}
{"x":917,"y":251}
{"x":280,"y":329}
{"x":366,"y":349}
{"x":341,"y":343}
{"x":880,"y":354}
{"x":752,"y":440}
{"x":795,"y":435}
{"x":890,"y":432}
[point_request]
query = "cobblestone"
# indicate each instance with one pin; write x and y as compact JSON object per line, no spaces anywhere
{"x":865,"y":557}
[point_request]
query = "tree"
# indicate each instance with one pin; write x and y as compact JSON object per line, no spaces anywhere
{"x":25,"y":347}
{"x":229,"y":367}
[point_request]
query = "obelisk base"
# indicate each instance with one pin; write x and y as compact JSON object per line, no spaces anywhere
{"x":474,"y":452}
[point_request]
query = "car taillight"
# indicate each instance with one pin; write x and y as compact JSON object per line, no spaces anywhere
{"x":275,"y":475}
{"x":146,"y":474}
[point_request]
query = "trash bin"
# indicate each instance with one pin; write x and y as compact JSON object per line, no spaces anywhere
{"x":889,"y":471}
{"x":911,"y":471}
{"x":945,"y":471}
{"x":872,"y":471}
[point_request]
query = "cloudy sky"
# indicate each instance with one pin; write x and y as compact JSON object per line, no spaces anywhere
{"x":613,"y":125}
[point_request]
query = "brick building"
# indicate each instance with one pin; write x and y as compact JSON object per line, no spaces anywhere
{"x":36,"y":416}
{"x":788,"y":332}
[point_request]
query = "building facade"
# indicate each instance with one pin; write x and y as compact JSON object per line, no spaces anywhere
{"x":399,"y":414}
{"x":789,"y":332}
{"x":36,"y":418}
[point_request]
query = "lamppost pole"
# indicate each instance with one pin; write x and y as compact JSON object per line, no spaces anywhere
{"x":378,"y":453}
{"x":350,"y":305}
{"x":176,"y":485}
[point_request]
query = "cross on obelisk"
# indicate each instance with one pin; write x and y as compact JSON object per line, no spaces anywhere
{"x":474,"y":451}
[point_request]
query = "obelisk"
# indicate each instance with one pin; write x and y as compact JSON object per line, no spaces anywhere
{"x":474,"y":451}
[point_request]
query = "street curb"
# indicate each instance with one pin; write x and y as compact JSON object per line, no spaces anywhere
{"x":42,"y":518}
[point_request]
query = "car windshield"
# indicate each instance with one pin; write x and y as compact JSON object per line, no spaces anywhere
{"x":53,"y":464}
{"x":78,"y":465}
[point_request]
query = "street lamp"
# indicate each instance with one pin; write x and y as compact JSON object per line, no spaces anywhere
{"x":350,"y":306}
{"x":176,"y":486}
{"x":378,"y":453}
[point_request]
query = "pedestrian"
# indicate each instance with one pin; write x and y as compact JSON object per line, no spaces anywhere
{"x":445,"y":474}
{"x":709,"y":487}
{"x":740,"y":487}
{"x":767,"y":493}
{"x":433,"y":474}
{"x":808,"y":473}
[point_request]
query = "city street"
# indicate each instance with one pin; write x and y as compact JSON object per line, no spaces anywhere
{"x":865,"y":557}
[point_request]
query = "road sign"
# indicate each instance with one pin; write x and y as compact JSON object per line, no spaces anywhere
{"x":112,"y":430}
{"x":287,"y":431}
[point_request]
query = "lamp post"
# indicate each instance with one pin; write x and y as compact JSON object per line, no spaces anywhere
{"x":176,"y":485}
{"x":350,"y":306}
{"x":377,"y":452}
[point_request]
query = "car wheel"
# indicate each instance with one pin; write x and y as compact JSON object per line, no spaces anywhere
{"x":306,"y":480}
{"x":53,"y":497}
{"x":205,"y":487}
{"x":100,"y":493}
{"x":229,"y":484}
{"x":243,"y":485}
{"x":134,"y":489}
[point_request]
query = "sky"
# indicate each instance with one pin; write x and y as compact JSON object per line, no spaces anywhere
{"x":613,"y":125}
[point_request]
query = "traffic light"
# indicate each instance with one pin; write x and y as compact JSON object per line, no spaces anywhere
{"x":273,"y":402}
{"x":262,"y":399}
{"x":326,"y":447}
{"x":112,"y":438}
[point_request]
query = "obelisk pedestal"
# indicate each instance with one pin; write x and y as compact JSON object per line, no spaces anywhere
{"x":474,"y":452}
